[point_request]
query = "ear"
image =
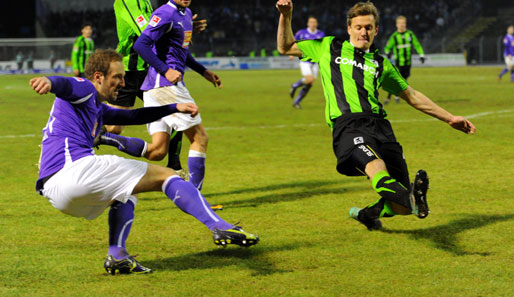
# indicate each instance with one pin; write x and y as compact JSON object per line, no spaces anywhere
{"x":376,"y":30}
{"x":98,"y":77}
{"x":348,"y":29}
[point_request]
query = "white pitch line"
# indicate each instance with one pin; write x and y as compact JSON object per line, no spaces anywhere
{"x":471,"y":116}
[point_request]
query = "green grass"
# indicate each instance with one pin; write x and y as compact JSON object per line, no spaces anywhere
{"x":274,"y":170}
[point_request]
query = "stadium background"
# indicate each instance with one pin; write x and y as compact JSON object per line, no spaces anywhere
{"x":247,"y":28}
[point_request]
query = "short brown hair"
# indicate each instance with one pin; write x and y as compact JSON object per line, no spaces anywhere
{"x":100,"y":61}
{"x":362,"y":8}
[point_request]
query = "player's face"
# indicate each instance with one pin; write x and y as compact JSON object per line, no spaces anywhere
{"x":87,"y":31}
{"x":113,"y":81}
{"x":312,"y":24}
{"x":183,"y":3}
{"x":362,"y":31}
{"x":401,"y":25}
{"x":510,"y":30}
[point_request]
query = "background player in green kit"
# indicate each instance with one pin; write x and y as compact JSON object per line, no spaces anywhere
{"x":400,"y":44}
{"x":363,"y":140}
{"x":83,"y":47}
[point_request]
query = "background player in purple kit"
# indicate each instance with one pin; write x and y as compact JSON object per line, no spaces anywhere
{"x":508,"y":53}
{"x":164,"y":46}
{"x":82,"y":184}
{"x":309,"y":69}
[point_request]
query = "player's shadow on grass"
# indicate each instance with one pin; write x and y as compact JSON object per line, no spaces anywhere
{"x":306,"y":189}
{"x":445,"y":236}
{"x":253,"y":258}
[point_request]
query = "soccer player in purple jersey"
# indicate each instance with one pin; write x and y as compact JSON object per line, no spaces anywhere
{"x":164,"y":45}
{"x":82,"y":184}
{"x":508,"y":53}
{"x":309,"y":69}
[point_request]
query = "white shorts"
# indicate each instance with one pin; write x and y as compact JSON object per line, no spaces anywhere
{"x":86,"y":187}
{"x":167,"y":95}
{"x":309,"y":68}
{"x":509,"y":61}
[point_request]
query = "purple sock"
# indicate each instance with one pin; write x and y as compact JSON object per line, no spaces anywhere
{"x":298,"y":83}
{"x":503,"y":72}
{"x":196,"y":166}
{"x":302,"y":94}
{"x":133,"y":146}
{"x":191,"y":201}
{"x":512,"y":76}
{"x":121,"y":216}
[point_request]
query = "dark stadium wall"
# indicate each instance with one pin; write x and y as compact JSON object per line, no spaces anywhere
{"x":18,"y":25}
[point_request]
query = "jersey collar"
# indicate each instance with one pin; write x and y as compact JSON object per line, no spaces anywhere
{"x":180,"y":9}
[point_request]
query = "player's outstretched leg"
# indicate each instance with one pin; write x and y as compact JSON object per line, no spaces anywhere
{"x":121,"y":216}
{"x":130,"y":145}
{"x":295,"y":86}
{"x":391,"y":190}
{"x":191,"y":201}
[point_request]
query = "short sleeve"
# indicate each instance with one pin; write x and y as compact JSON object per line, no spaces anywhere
{"x":311,"y":49}
{"x":159,"y":24}
{"x":393,"y":82}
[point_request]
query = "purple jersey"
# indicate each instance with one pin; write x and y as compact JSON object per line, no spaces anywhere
{"x":305,"y":34}
{"x":75,"y":118}
{"x":508,"y":41}
{"x":170,"y":30}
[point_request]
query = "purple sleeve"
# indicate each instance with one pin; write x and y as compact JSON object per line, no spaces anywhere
{"x":73,"y":89}
{"x":193,"y":64}
{"x":159,"y":24}
{"x":143,"y":47}
{"x":297,"y":35}
{"x":139,"y":116}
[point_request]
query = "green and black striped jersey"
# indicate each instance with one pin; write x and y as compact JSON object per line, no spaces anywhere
{"x":401,"y":44}
{"x":350,"y":77}
{"x":82,"y":49}
{"x":132,"y":17}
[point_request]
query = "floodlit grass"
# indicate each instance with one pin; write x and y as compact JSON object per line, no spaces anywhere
{"x":273,"y":168}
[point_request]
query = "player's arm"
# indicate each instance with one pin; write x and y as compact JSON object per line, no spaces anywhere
{"x":286,"y":43}
{"x":418,"y":47}
{"x":389,"y":46}
{"x":139,"y":116}
{"x":74,"y":90}
{"x":200,"y":69}
{"x":198,"y":25}
{"x":421,"y":102}
{"x":143,"y":46}
{"x":77,"y":46}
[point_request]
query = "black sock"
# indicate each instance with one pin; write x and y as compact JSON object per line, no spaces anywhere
{"x":174,"y":150}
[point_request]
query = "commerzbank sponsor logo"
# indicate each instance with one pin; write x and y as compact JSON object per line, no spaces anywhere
{"x":346,"y":61}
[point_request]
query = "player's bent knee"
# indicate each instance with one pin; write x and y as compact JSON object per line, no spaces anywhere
{"x":114,"y":129}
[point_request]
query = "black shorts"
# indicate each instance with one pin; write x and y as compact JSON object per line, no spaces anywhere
{"x":404,"y":71}
{"x":360,"y":139}
{"x":127,"y":94}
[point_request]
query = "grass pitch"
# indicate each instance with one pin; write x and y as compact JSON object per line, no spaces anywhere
{"x":273,"y":168}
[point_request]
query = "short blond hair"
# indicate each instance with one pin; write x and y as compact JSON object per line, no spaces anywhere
{"x":100,"y":61}
{"x":401,"y":17}
{"x":363,"y":8}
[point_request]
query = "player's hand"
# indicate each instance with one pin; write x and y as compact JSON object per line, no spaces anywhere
{"x":173,"y":76}
{"x":422,"y":59}
{"x":76,"y":72}
{"x":190,"y":108}
{"x":198,"y":26}
{"x":42,"y":85}
{"x":213,"y":78}
{"x":292,"y":58}
{"x":460,"y":123}
{"x":285,"y":7}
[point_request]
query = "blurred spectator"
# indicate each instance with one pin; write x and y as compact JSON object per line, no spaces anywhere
{"x":19,"y":60}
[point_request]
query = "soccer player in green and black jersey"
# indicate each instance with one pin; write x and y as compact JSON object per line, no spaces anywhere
{"x":400,"y":44}
{"x":83,"y":47}
{"x":352,"y":71}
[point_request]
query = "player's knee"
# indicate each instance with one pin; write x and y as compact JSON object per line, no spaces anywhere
{"x":157,"y":153}
{"x":114,"y":129}
{"x":202,"y":138}
{"x":309,"y":80}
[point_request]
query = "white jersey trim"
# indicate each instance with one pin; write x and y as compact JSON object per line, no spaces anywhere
{"x":81,"y":100}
